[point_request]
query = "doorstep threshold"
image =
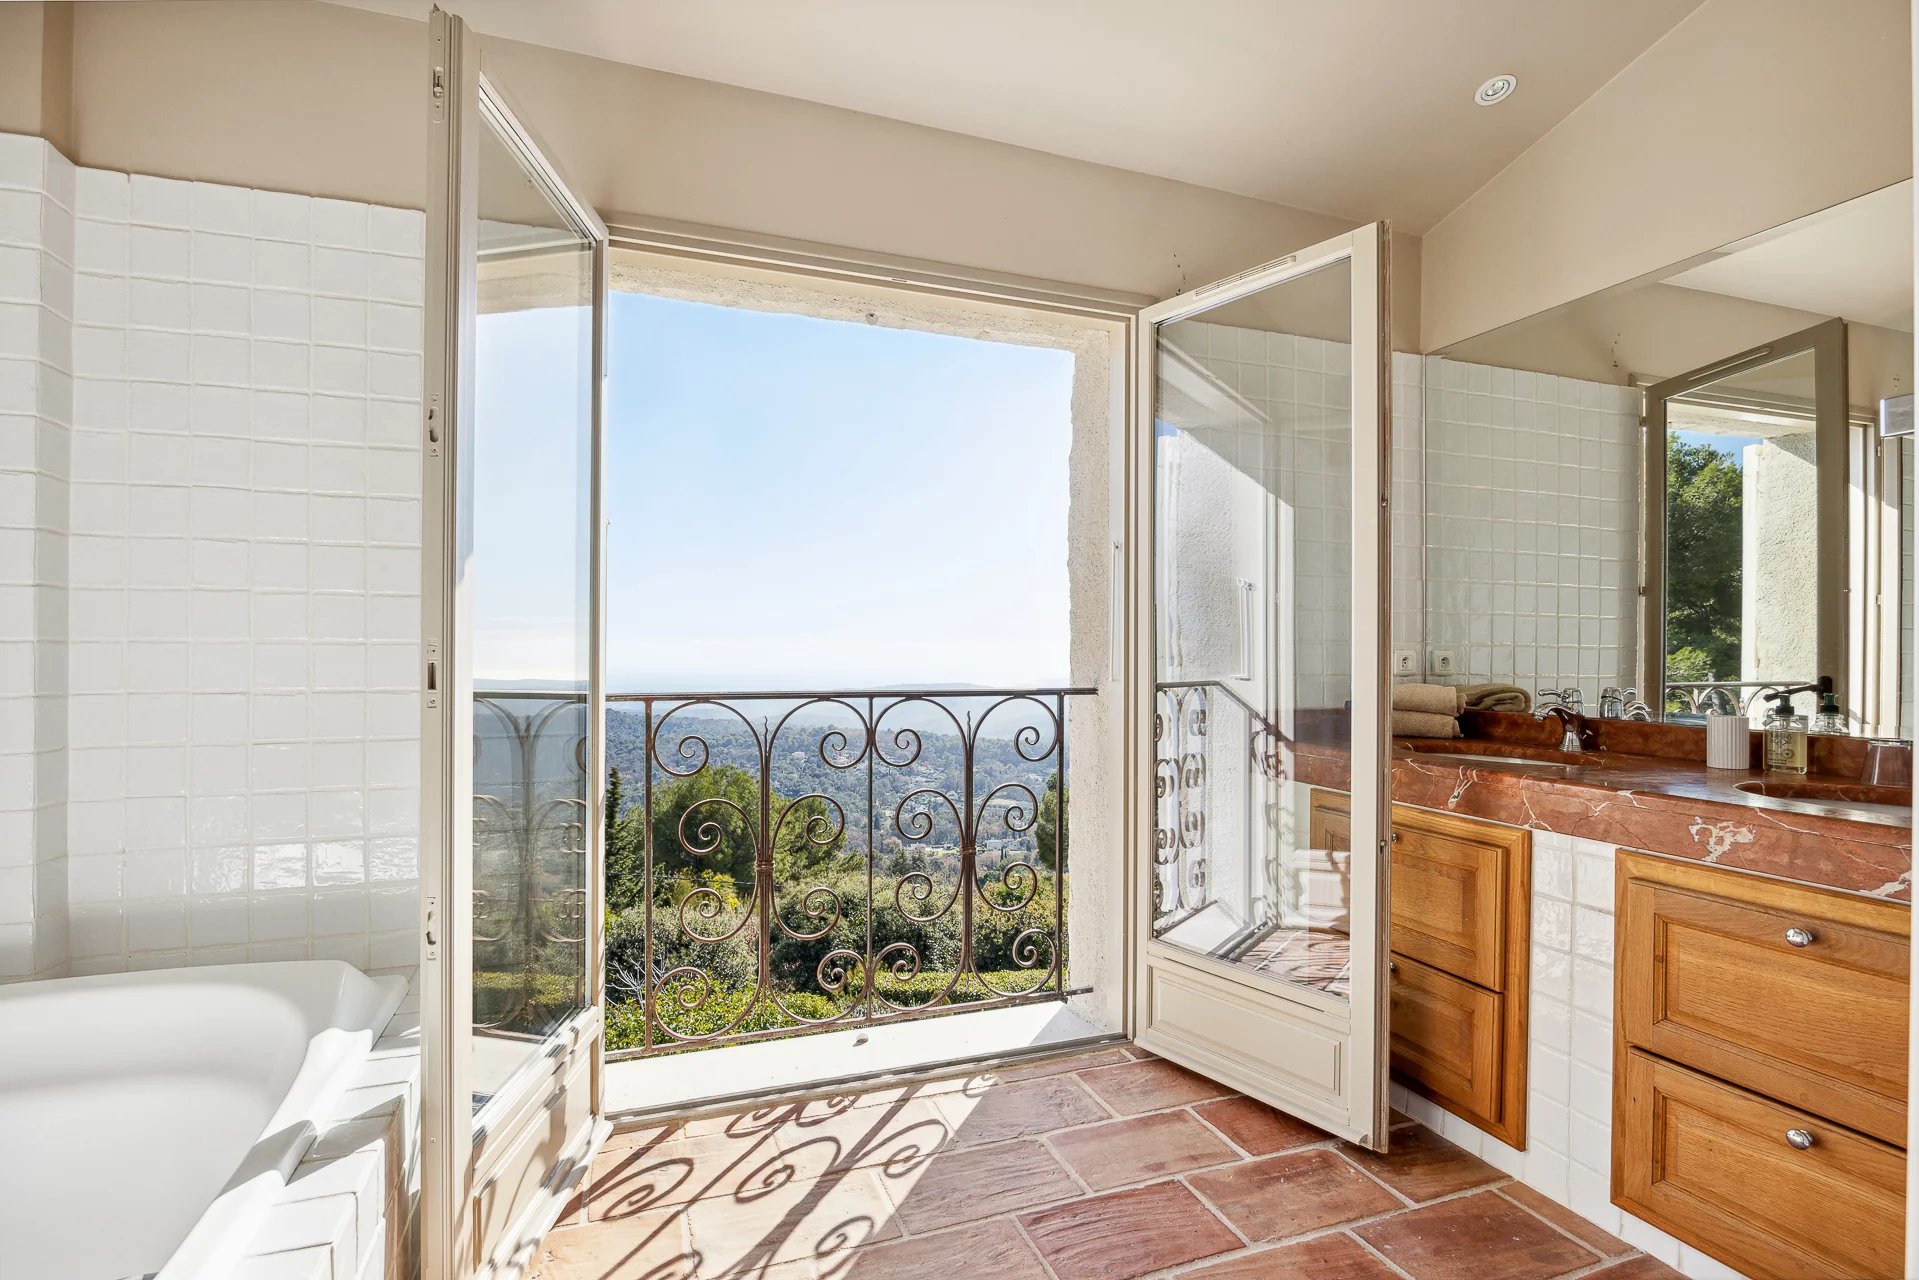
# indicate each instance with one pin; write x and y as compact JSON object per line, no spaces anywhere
{"x":645,"y":1091}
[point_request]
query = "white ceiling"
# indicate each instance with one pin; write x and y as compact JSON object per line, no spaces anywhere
{"x":1854,"y":260}
{"x":1360,"y":108}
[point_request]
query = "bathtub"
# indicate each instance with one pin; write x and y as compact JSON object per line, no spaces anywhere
{"x":148,"y":1119}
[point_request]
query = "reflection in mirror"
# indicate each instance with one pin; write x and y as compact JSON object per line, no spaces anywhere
{"x":529,"y":577}
{"x":1763,"y":539}
{"x":1253,"y":571}
{"x":1740,"y":531}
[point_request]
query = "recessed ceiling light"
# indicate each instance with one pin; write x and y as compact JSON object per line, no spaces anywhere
{"x":1497,"y":89}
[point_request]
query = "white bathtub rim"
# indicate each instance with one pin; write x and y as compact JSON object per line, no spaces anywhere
{"x":215,"y":1244}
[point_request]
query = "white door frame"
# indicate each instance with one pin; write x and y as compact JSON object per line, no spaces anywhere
{"x":467,"y":1168}
{"x":1309,"y":1054}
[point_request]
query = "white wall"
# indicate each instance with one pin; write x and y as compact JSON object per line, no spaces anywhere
{"x":1532,"y":523}
{"x":240,"y":592}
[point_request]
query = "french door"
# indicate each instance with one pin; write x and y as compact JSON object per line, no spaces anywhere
{"x":1261,"y":934}
{"x":511,"y":995}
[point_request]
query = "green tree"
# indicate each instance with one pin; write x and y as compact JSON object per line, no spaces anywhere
{"x":1704,"y":492}
{"x":705,"y":823}
{"x":1049,"y":829}
{"x":625,"y":851}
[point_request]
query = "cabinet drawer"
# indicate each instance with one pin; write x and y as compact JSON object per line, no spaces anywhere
{"x":1711,"y":1164}
{"x":1448,"y":1039}
{"x":1455,"y":883}
{"x":1709,"y":978}
{"x":1449,"y":884}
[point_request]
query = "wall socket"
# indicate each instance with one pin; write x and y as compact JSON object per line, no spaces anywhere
{"x":1442,"y":662}
{"x":1405,"y":662}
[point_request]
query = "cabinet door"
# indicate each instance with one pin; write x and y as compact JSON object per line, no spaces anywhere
{"x":1774,"y":1192}
{"x":1798,"y":993}
{"x":1449,"y":894}
{"x":1449,"y":1039}
{"x":1260,"y":952}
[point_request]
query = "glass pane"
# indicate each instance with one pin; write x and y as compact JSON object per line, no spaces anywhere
{"x":1253,"y":568}
{"x":530,"y":579}
{"x":1742,"y":546}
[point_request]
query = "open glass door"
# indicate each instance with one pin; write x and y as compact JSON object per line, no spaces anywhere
{"x":511,"y":977}
{"x":1262,"y":940}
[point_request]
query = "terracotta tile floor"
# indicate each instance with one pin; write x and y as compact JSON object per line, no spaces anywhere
{"x":1105,"y":1166}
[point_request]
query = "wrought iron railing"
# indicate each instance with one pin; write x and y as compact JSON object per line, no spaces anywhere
{"x":1694,"y":698}
{"x":801,"y":861}
{"x":530,"y":811}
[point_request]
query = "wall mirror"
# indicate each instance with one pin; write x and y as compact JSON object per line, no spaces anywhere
{"x":1689,"y":492}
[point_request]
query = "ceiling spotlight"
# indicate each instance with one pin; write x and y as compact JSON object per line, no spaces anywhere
{"x":1497,"y":89}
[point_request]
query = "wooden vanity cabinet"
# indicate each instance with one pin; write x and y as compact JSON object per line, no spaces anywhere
{"x":1461,"y":955}
{"x":1759,"y":1087}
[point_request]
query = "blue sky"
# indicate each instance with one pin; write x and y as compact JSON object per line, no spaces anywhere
{"x":796,"y":503}
{"x":1730,"y":446}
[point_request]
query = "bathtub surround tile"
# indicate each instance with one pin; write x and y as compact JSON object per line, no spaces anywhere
{"x":183,"y":735}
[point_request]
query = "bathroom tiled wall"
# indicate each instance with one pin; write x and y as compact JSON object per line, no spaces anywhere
{"x":36,"y":409}
{"x":1531,"y":490}
{"x":1279,"y":383}
{"x":238,"y":586}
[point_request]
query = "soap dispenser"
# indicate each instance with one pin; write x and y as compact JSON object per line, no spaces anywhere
{"x":1785,"y":736}
{"x":1829,"y":718}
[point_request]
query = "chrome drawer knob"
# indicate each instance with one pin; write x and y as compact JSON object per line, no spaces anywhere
{"x":1799,"y":937}
{"x":1799,"y":1139}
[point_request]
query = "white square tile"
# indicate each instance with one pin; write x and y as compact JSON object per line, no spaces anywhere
{"x":223,"y":209}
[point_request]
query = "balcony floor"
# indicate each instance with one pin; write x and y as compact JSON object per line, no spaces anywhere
{"x":1103,"y":1166}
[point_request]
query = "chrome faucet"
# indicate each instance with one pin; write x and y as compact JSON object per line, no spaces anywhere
{"x":1569,"y":720}
{"x":1616,"y":703}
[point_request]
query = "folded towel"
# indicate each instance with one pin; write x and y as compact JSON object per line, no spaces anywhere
{"x":1423,"y":724}
{"x":1493,"y":697}
{"x":1432,"y":699}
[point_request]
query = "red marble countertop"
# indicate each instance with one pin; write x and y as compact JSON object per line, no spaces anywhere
{"x":1662,"y":803}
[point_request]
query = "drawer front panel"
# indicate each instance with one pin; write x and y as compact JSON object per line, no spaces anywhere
{"x":1713,"y":1165}
{"x":1712,"y":980}
{"x":1447,"y":1039}
{"x":1447,"y":892}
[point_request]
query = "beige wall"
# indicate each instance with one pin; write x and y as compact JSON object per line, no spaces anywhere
{"x":36,"y":71}
{"x":1750,"y":113}
{"x":296,"y":95}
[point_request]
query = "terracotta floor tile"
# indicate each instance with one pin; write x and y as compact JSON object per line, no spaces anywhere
{"x":1281,"y":1196}
{"x":1640,"y":1268}
{"x":1601,"y":1242}
{"x":993,"y":1249}
{"x":1422,"y":1166}
{"x":818,"y":1219}
{"x":1483,"y":1236}
{"x":1019,"y":1109}
{"x":637,"y":1180}
{"x":979,"y":1182}
{"x":1127,"y":1233}
{"x":1054,"y":1066}
{"x":1330,"y":1257}
{"x":908,"y":1129}
{"x":1140,"y":1149}
{"x":644,"y":1248}
{"x":646,"y":1135}
{"x":1256,"y":1128}
{"x":1152,"y":1085}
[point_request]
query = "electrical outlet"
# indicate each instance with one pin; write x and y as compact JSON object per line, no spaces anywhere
{"x":1442,"y":662}
{"x":1405,"y":662}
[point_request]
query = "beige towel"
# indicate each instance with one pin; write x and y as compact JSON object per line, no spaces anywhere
{"x":1423,"y":724}
{"x":1493,"y":697}
{"x":1431,"y":699}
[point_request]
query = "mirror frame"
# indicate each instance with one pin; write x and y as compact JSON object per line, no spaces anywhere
{"x":1826,"y":341}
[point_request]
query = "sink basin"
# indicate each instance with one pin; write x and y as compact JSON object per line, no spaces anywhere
{"x":1843,"y":793}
